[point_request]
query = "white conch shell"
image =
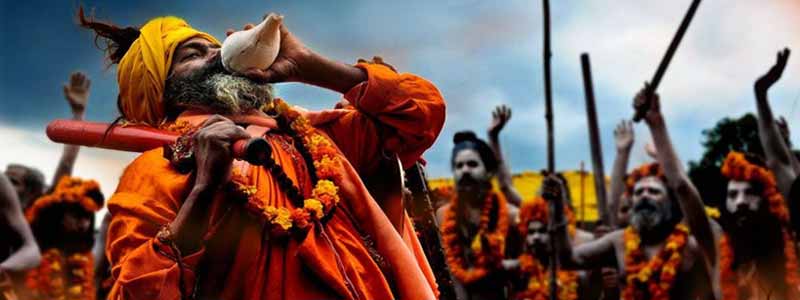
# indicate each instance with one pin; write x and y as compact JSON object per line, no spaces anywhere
{"x":255,"y":48}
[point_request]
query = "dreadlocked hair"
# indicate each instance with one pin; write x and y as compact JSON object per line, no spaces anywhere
{"x":117,"y":39}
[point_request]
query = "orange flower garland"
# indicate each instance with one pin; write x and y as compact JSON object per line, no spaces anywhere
{"x":60,"y":277}
{"x":69,"y":190}
{"x":539,"y":281}
{"x":325,"y":194}
{"x":729,"y":284}
{"x":488,"y":246}
{"x":736,"y":167}
{"x":655,"y":276}
{"x":538,"y":278}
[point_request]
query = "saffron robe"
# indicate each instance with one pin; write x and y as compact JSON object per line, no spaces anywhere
{"x":389,"y":113}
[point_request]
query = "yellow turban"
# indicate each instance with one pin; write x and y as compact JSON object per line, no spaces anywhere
{"x":143,"y":70}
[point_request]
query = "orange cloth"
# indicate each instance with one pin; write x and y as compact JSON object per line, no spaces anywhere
{"x":142,"y":72}
{"x":400,"y":113}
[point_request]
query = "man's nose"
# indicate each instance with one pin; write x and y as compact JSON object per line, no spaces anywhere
{"x":213,"y":54}
{"x":739,"y":201}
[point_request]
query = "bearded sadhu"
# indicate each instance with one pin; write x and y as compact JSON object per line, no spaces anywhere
{"x":303,"y":225}
{"x":758,"y":256}
{"x":533,"y":265}
{"x":668,"y":251}
{"x":63,"y":224}
{"x":475,"y":223}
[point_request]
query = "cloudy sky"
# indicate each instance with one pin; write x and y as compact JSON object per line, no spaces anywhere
{"x":479,"y":53}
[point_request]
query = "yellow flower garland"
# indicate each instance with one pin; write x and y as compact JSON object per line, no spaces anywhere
{"x":325,"y":194}
{"x":538,"y":278}
{"x":59,"y":277}
{"x":656,"y":275}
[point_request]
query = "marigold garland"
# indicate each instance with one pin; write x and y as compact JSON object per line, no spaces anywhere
{"x":728,"y":281}
{"x":325,"y":194}
{"x":71,"y":190}
{"x":60,"y":277}
{"x":736,"y":167}
{"x":538,"y":278}
{"x":653,"y":277}
{"x":486,"y":258}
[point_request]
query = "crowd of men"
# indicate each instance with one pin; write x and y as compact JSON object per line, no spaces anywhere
{"x":314,"y":218}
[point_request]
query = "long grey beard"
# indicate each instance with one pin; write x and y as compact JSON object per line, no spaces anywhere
{"x":218,"y":93}
{"x":652,"y":225}
{"x":646,"y":221}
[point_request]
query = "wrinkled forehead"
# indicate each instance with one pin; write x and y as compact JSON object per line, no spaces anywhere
{"x":466,"y":155}
{"x":196,"y":42}
{"x":535,"y":225}
{"x":738,"y":185}
{"x":650,"y":182}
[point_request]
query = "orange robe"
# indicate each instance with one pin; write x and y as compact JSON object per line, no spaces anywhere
{"x":390,"y":112}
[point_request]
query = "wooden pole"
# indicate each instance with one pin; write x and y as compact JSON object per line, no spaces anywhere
{"x":548,"y":116}
{"x":594,"y":141}
{"x":583,"y":194}
{"x":422,"y":213}
{"x":548,"y":92}
{"x":662,"y":67}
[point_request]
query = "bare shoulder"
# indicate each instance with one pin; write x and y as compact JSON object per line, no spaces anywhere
{"x":440,"y":213}
{"x":513,"y":213}
{"x":583,"y":236}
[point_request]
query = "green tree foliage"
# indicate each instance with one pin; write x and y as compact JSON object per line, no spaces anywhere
{"x":728,"y":134}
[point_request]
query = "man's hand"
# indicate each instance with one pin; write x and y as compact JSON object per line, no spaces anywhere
{"x":212,"y":151}
{"x":652,"y":104}
{"x":767,"y":80}
{"x":77,"y":92}
{"x":552,"y":188}
{"x":500,"y":117}
{"x":623,"y":135}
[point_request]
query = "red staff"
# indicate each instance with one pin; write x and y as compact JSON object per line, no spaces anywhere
{"x":143,"y":138}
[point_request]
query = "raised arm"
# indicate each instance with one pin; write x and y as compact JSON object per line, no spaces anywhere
{"x":77,"y":94}
{"x":589,"y":255}
{"x":779,"y":157}
{"x":27,"y":255}
{"x":623,"y":138}
{"x":500,"y":117}
{"x":690,"y":202}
